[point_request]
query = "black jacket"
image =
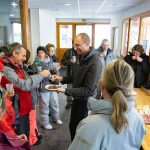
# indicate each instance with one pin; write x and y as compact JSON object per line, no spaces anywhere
{"x":141,"y":69}
{"x":66,"y":60}
{"x":86,"y":74}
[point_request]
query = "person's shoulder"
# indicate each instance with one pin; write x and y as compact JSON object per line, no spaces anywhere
{"x":92,"y":127}
{"x":94,"y":122}
{"x":145,"y":56}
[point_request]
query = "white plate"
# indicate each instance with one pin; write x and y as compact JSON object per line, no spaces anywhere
{"x":52,"y":85}
{"x":133,"y":93}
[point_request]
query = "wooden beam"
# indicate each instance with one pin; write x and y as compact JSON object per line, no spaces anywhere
{"x":128,"y":42}
{"x":140,"y":29}
{"x":24,"y":23}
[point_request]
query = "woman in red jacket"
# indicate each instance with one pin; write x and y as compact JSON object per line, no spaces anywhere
{"x":8,"y":139}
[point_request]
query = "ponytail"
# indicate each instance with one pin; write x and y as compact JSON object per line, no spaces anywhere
{"x":118,"y":117}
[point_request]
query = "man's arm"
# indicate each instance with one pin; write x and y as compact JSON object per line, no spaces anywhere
{"x":24,"y":84}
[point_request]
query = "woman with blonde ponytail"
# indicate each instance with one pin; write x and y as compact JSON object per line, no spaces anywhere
{"x":114,"y":124}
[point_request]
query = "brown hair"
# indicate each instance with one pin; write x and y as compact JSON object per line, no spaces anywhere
{"x":118,"y":78}
{"x":138,"y":48}
{"x":48,"y":46}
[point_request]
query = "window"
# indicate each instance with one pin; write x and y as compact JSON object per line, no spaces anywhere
{"x":134,"y":32}
{"x":115,"y":40}
{"x":145,"y":34}
{"x":17,"y":32}
{"x":85,"y":29}
{"x":102,"y":31}
{"x":65,"y":36}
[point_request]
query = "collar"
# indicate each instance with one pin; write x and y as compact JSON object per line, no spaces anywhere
{"x":105,"y":106}
{"x":90,"y":53}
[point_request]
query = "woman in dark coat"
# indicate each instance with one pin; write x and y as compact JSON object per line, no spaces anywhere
{"x":139,"y":63}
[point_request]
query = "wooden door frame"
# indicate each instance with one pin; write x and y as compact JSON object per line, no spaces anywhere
{"x":74,"y":24}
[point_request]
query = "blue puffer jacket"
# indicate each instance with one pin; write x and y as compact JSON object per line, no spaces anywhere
{"x":109,"y":56}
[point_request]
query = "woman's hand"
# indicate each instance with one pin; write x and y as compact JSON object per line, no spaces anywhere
{"x":10,"y":93}
{"x":139,"y":59}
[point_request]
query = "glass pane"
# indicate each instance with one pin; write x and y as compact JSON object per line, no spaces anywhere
{"x":134,"y":32}
{"x":125,"y":38}
{"x":65,"y":36}
{"x":145,"y":34}
{"x":17,"y":32}
{"x":102,"y":31}
{"x":85,"y":29}
{"x":9,"y":14}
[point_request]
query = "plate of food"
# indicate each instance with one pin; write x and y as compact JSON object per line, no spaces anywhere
{"x":144,"y":111}
{"x":52,"y":87}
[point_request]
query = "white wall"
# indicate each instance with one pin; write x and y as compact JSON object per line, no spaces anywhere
{"x":43,"y":29}
{"x":35,"y":33}
{"x":47,"y":27}
{"x":116,"y":20}
{"x":5,"y":21}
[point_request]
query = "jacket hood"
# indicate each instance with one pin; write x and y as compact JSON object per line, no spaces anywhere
{"x":105,"y":106}
{"x":100,"y":50}
{"x":91,"y":53}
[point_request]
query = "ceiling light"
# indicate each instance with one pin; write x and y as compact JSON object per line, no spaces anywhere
{"x":11,"y":15}
{"x":14,"y":4}
{"x":67,"y":4}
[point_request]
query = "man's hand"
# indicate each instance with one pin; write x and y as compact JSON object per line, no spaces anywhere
{"x":45,"y":73}
{"x":22,"y":137}
{"x":61,"y":90}
{"x":56,"y":78}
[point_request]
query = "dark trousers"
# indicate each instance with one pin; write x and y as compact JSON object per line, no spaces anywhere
{"x":23,"y":126}
{"x":69,"y":98}
{"x":79,"y":111}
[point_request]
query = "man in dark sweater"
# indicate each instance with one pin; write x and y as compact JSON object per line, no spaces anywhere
{"x":85,"y":77}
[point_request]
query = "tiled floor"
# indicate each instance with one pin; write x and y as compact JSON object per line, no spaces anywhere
{"x":59,"y":137}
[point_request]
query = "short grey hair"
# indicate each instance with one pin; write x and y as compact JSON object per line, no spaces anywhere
{"x":15,"y":47}
{"x":85,"y":38}
{"x":104,"y":40}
